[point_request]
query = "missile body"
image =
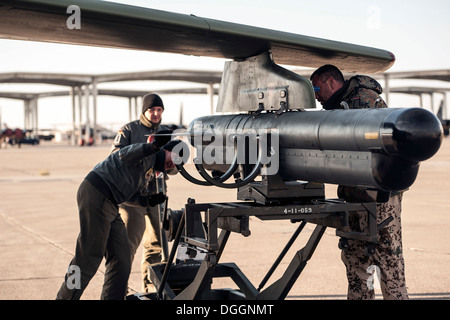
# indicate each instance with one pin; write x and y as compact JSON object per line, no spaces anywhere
{"x":376,"y":148}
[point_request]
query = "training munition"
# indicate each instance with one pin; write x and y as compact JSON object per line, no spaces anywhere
{"x":375,"y":148}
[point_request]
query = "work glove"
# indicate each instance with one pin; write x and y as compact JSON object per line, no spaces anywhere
{"x":161,"y":138}
{"x":152,"y":200}
{"x":171,"y":144}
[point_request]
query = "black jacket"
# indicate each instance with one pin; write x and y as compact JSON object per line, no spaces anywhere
{"x":125,"y":173}
{"x":139,"y":131}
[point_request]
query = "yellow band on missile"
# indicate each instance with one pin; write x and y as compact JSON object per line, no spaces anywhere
{"x":371,"y":135}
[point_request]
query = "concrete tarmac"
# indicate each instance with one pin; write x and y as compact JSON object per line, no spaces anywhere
{"x":39,"y":226}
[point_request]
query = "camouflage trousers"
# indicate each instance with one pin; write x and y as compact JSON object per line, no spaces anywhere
{"x":387,"y":264}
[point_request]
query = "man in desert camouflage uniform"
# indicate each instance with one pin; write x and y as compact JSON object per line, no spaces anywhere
{"x":359,"y":92}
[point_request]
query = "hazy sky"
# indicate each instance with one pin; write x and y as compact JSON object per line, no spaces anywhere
{"x":415,"y":31}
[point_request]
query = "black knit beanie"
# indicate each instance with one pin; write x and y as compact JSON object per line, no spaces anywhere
{"x":151,"y":100}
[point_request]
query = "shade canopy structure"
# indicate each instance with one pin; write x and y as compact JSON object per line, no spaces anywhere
{"x":77,"y":80}
{"x":440,"y":75}
{"x":423,"y":75}
{"x":86,"y":84}
{"x":30,"y":100}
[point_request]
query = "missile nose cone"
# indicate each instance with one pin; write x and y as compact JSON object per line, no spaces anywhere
{"x":416,"y":133}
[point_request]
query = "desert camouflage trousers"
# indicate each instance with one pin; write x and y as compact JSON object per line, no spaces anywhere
{"x":387,"y":264}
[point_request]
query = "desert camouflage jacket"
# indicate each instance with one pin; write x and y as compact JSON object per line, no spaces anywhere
{"x":359,"y":92}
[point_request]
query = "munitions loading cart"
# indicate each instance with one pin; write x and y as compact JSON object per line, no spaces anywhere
{"x":206,"y":227}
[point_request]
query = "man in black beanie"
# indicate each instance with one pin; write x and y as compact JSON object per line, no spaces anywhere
{"x":142,"y":222}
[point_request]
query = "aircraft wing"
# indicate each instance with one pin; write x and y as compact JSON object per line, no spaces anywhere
{"x":115,"y":25}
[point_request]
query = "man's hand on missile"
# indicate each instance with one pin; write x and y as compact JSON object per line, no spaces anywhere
{"x":171,"y":144}
{"x":162,"y":138}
